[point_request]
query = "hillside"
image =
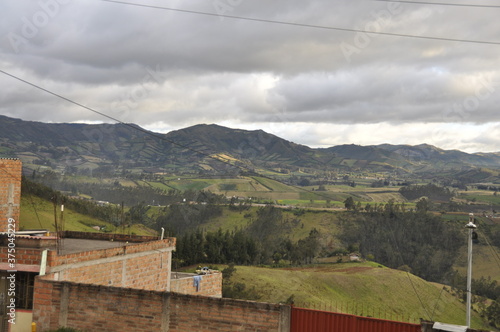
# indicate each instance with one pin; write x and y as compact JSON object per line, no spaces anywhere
{"x":357,"y":288}
{"x":113,"y":149}
{"x":38,"y":213}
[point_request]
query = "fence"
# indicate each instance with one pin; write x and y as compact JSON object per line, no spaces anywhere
{"x":360,"y":309}
{"x":309,"y":320}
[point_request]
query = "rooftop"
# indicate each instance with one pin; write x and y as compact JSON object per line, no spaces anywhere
{"x":71,"y":246}
{"x":73,"y":242}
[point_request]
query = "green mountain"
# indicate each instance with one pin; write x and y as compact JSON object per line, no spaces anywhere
{"x":111,"y":149}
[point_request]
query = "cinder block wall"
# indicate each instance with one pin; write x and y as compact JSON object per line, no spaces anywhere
{"x":101,"y":308}
{"x":10,"y":192}
{"x":210,"y":285}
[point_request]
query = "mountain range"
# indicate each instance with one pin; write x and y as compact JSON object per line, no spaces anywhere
{"x":214,"y":150}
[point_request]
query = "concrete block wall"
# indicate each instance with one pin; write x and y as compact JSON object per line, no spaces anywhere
{"x":10,"y":192}
{"x":104,"y":308}
{"x":210,"y":285}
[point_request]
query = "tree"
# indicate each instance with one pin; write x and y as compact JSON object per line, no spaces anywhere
{"x":493,"y":314}
{"x":138,"y":213}
{"x":422,"y":205}
{"x":349,"y":203}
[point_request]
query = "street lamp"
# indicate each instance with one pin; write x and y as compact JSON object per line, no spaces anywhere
{"x":471,"y":227}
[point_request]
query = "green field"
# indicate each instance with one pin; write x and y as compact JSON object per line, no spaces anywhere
{"x":274,"y":185}
{"x":482,"y":196}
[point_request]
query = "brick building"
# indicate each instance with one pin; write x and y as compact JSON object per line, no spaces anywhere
{"x":125,"y":261}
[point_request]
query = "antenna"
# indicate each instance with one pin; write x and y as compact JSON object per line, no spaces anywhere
{"x":471,"y":227}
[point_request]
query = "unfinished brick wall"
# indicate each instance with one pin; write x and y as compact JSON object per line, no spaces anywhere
{"x":141,"y":266}
{"x":101,"y":308}
{"x":209,"y":285}
{"x":10,"y":192}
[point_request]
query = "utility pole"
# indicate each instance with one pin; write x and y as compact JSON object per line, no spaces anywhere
{"x":471,"y":227}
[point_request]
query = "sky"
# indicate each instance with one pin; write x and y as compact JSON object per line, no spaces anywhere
{"x":306,"y":71}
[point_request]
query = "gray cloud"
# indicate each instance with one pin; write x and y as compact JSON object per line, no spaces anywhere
{"x":172,"y":69}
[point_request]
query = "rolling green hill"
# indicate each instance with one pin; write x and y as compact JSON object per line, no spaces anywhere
{"x":107,"y":150}
{"x":357,"y":288}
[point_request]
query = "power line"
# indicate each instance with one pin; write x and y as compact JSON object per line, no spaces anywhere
{"x":108,"y":116}
{"x":162,"y":137}
{"x":9,"y":174}
{"x":496,"y":256}
{"x":158,"y":136}
{"x":408,"y":273}
{"x":35,"y":209}
{"x":304,"y":25}
{"x":441,"y":3}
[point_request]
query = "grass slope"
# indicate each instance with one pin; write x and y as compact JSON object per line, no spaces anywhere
{"x":357,"y":288}
{"x":485,"y":262}
{"x":327,"y":223}
{"x":37,"y":213}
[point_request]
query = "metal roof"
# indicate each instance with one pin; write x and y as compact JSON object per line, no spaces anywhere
{"x":449,"y":327}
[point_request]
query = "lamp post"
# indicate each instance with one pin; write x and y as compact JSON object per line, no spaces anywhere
{"x":471,"y":227}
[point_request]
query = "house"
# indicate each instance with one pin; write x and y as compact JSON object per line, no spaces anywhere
{"x":104,"y":259}
{"x":354,"y":257}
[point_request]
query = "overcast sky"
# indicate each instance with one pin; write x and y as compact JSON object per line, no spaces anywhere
{"x":305,"y":82}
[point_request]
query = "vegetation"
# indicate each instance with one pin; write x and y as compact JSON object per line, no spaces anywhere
{"x":396,"y":237}
{"x":430,"y":191}
{"x":270,"y":202}
{"x":260,"y":243}
{"x":368,"y":289}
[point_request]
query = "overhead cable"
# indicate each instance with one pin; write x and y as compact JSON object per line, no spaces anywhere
{"x":304,"y":25}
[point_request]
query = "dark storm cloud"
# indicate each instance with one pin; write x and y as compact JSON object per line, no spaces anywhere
{"x":153,"y":66}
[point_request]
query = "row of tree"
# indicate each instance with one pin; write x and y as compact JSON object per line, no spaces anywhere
{"x":262,"y":242}
{"x":395,"y":237}
{"x":238,"y":247}
{"x":431,"y":191}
